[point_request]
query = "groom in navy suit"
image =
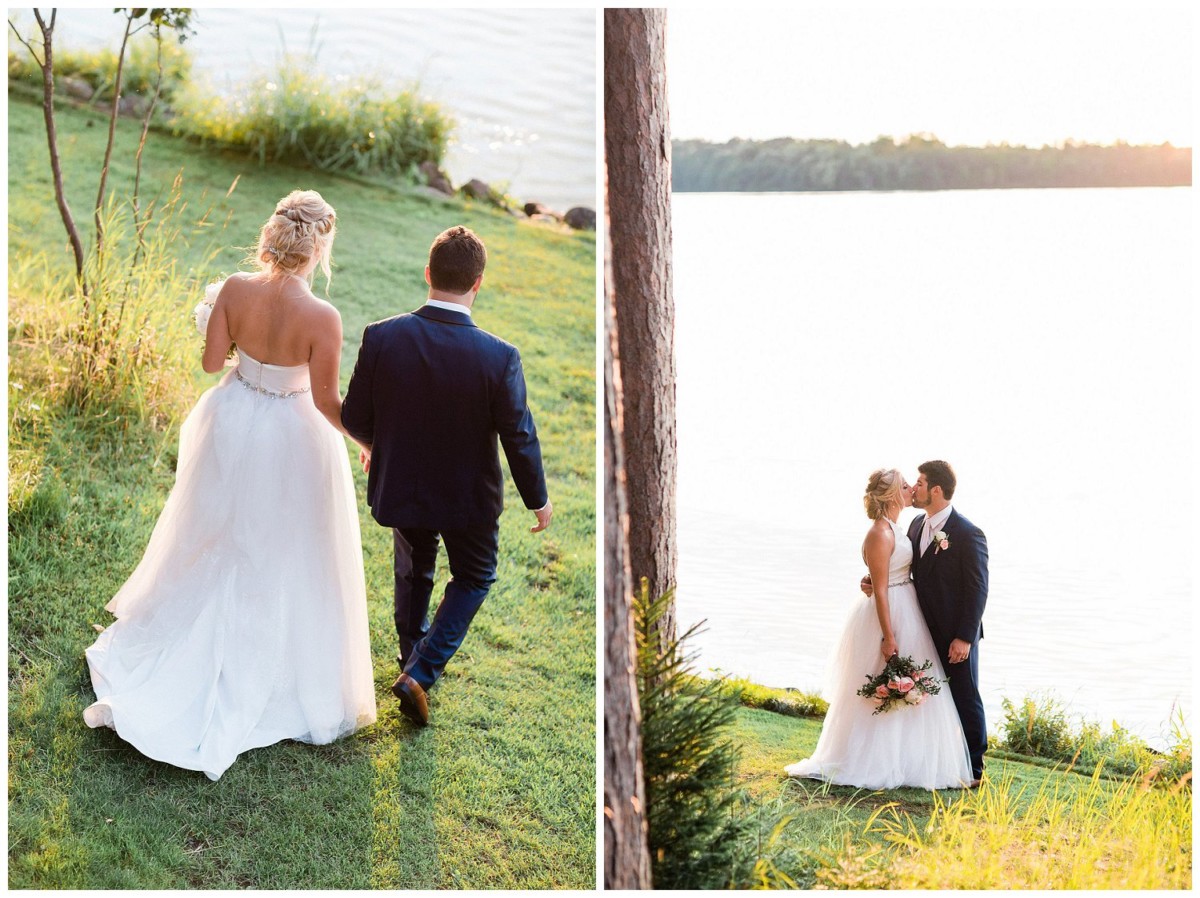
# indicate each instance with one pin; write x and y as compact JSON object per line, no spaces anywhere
{"x":431,"y":393}
{"x":950,"y":570}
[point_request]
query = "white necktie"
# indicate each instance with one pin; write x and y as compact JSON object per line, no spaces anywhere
{"x":926,"y":536}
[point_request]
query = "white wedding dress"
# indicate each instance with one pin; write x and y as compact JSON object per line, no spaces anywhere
{"x":246,"y":621}
{"x":910,"y":745}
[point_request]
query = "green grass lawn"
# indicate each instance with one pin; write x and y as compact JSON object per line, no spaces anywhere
{"x":500,"y":790}
{"x":1029,"y":826}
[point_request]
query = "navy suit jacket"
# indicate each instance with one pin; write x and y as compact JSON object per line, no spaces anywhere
{"x":431,"y":393}
{"x":952,"y":584}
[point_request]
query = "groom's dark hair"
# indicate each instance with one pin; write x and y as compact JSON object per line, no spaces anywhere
{"x":939,"y":473}
{"x":456,"y":260}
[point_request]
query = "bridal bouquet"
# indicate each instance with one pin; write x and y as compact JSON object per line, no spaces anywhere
{"x":900,"y":681}
{"x":203,"y":312}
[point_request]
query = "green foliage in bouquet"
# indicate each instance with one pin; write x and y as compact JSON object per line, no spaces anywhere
{"x":900,"y":682}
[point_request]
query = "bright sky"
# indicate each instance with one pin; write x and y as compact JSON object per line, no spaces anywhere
{"x":1015,"y":73}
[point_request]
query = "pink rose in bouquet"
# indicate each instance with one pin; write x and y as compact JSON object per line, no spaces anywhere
{"x":900,"y":682}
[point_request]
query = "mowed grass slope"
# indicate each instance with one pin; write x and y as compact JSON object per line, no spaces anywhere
{"x":500,"y":790}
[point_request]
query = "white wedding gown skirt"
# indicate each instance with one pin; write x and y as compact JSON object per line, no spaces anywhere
{"x":246,"y":621}
{"x":910,"y":745}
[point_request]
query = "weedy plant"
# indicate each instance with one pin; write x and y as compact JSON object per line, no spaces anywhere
{"x":1039,"y":726}
{"x":98,"y":68}
{"x":124,"y":348}
{"x":1095,"y":833}
{"x":297,"y":114}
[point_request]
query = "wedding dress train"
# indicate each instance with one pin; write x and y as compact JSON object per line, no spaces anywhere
{"x":245,"y":623}
{"x":910,"y":745}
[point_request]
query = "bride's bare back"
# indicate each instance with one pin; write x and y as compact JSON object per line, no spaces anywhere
{"x":277,"y":321}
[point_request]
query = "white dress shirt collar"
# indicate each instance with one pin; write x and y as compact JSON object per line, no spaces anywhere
{"x":937,"y":520}
{"x":448,"y":306}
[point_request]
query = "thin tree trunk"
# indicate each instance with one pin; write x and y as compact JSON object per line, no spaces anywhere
{"x":60,"y":196}
{"x":112,"y":130}
{"x":637,"y":148}
{"x":138,"y":224}
{"x":626,"y":846}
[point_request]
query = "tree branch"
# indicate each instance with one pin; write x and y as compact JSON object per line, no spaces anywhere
{"x":112,"y":130}
{"x":40,"y":64}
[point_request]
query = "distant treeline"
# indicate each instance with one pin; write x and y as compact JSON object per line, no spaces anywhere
{"x":919,"y":162}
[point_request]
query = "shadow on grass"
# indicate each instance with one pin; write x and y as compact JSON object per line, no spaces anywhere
{"x":404,"y":841}
{"x":97,"y":814}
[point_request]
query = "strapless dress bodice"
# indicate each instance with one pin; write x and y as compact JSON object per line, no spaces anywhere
{"x":275,"y":381}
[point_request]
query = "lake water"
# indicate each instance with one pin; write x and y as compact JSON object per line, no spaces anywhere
{"x":1040,"y":341}
{"x":520,"y":82}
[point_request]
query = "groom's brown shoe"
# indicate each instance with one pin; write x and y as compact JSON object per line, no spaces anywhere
{"x":413,"y":704}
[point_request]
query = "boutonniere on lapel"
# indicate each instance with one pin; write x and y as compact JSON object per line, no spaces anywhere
{"x":940,"y":541}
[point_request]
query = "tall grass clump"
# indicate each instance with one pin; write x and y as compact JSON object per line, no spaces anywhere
{"x":1123,"y":753}
{"x":1038,"y":726}
{"x":1076,"y":833}
{"x":347,"y":124}
{"x":98,"y":68}
{"x":123,"y":347}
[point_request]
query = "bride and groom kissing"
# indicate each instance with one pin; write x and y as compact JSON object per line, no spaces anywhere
{"x":245,"y":623}
{"x":924,"y":599}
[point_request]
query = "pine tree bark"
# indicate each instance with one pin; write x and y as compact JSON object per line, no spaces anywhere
{"x":639,"y":412}
{"x":626,"y":846}
{"x":638,"y":155}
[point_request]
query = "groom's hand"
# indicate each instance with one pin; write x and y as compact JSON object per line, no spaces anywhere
{"x":543,"y":514}
{"x":960,"y":650}
{"x":364,"y":459}
{"x":865,"y":585}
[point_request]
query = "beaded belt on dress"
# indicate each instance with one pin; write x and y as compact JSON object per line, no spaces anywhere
{"x":900,"y":583}
{"x":269,"y":393}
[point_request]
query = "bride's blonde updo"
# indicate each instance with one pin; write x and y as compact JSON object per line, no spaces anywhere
{"x":883,"y":491}
{"x":302,"y":228}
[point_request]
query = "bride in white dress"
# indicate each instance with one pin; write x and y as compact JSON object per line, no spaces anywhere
{"x":246,"y":621}
{"x":920,"y":745}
